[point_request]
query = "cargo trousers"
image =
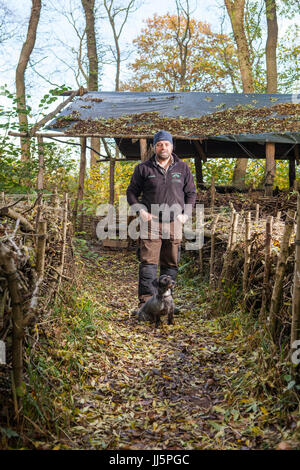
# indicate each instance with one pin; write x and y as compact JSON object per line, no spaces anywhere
{"x":159,"y":244}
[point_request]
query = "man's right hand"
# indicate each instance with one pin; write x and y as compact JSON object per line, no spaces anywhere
{"x":146,"y":216}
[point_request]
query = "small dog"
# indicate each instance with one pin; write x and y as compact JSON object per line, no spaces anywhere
{"x":161,"y":303}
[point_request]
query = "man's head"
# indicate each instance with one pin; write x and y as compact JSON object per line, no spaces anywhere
{"x":163,"y":144}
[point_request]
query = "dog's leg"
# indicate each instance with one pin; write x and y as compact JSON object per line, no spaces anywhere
{"x":171,"y":316}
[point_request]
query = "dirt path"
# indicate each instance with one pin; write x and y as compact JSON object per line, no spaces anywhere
{"x":134,"y":387}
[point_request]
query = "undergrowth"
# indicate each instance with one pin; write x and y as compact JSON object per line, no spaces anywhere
{"x":74,"y":368}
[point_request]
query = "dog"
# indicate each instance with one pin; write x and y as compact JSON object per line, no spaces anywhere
{"x":159,"y":304}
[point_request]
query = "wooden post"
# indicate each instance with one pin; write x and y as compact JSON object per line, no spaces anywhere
{"x":64,"y":238}
{"x":270,"y":168}
{"x":212,"y":251}
{"x":95,"y":145}
{"x":267,"y":267}
{"x":212,"y":195}
{"x":279,"y":274}
{"x":41,"y":245}
{"x":2,"y":198}
{"x":80,"y":189}
{"x":198,"y":169}
{"x":230,"y":245}
{"x":40,"y":177}
{"x":111,"y":180}
{"x":295,"y":329}
{"x":256,"y":213}
{"x":292,"y":172}
{"x":143,"y":149}
{"x":247,"y":250}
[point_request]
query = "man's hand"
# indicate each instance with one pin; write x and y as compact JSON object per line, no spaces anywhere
{"x":146,"y":216}
{"x":182,"y":218}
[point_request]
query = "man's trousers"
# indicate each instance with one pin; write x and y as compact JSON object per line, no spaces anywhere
{"x":160,"y":246}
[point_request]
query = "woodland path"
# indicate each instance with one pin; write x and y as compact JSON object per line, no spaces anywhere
{"x":176,"y":387}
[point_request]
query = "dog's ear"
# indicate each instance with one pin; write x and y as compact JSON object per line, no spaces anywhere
{"x":155,"y":283}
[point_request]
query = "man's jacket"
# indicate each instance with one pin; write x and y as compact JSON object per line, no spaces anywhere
{"x":156,"y":186}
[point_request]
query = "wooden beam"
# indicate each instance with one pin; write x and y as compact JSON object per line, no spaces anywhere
{"x":108,"y":136}
{"x":52,"y":114}
{"x":200,"y":150}
{"x":270,"y":168}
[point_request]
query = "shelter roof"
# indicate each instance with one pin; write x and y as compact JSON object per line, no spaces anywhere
{"x":218,"y":118}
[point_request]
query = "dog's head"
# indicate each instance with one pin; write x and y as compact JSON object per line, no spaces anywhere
{"x":165,"y":283}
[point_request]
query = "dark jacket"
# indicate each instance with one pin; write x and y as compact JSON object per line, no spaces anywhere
{"x":176,"y":186}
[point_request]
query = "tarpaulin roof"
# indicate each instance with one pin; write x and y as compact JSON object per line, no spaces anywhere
{"x":222,"y":120}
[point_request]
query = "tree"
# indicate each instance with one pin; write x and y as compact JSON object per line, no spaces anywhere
{"x":271,"y":46}
{"x":179,"y":53}
{"x":113,"y":12}
{"x":20,"y":74}
{"x":89,"y":7}
{"x":236,"y":12}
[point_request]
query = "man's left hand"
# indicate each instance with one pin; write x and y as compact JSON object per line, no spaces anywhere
{"x":182,"y":218}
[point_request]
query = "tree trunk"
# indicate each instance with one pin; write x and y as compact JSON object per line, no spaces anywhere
{"x":20,"y":74}
{"x":236,"y":12}
{"x":271,"y":46}
{"x":88,"y":6}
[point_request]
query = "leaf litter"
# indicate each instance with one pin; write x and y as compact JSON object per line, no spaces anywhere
{"x":120,"y":384}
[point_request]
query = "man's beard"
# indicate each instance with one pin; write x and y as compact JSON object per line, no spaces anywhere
{"x":163,"y":155}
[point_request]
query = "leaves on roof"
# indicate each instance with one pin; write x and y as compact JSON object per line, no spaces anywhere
{"x":279,"y":118}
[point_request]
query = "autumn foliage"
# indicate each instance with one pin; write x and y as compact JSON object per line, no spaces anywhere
{"x":182,"y":54}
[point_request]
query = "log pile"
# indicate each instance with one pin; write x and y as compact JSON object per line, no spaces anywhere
{"x":35,"y":254}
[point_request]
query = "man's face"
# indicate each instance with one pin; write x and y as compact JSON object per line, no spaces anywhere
{"x":163,"y":149}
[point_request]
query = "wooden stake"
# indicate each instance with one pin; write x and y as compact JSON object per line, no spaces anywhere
{"x":64,"y":239}
{"x":41,"y":245}
{"x":256,"y":213}
{"x":212,"y":251}
{"x":247,"y":250}
{"x":279,"y":275}
{"x":295,"y":329}
{"x":267,"y":267}
{"x":40,"y":177}
{"x":212,"y":195}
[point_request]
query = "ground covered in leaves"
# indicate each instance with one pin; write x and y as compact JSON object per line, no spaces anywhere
{"x":98,"y":379}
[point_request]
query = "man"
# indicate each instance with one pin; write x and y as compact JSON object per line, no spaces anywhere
{"x":165,"y":182}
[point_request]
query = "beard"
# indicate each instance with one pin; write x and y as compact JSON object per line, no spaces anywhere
{"x":163,"y":155}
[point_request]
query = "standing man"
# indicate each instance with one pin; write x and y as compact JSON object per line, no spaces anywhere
{"x":168,"y":194}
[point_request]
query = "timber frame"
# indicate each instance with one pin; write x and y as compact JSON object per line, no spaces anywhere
{"x":145,"y":152}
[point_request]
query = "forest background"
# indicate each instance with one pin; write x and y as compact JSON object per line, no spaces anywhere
{"x":130,"y":45}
